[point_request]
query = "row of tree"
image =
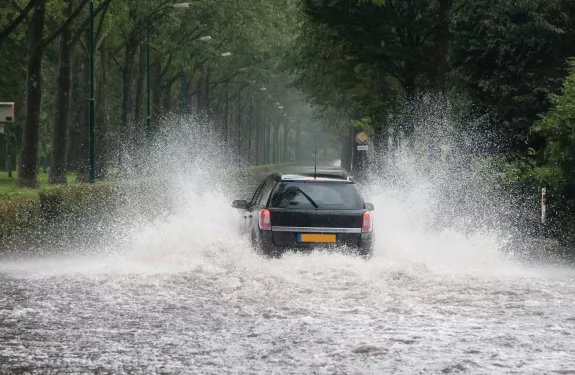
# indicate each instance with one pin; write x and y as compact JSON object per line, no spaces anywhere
{"x":222,"y":62}
{"x":502,"y":60}
{"x":504,"y":56}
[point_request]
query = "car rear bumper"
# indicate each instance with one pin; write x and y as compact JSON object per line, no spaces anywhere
{"x":277,"y":242}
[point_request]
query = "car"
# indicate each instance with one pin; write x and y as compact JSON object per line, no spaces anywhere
{"x":305,"y":210}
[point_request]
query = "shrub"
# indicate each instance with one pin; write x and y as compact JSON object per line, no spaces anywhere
{"x":21,"y":214}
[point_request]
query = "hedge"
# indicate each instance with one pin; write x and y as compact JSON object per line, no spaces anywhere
{"x":74,"y":207}
{"x":23,"y":213}
{"x":77,"y":205}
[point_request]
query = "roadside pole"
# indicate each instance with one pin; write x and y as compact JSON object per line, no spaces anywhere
{"x":361,"y":147}
{"x":543,"y":205}
{"x":92,"y":130}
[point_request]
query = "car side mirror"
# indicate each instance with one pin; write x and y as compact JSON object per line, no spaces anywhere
{"x":369,"y":207}
{"x":243,"y":204}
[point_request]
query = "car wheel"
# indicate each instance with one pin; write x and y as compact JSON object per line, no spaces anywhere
{"x":256,"y":245}
{"x":366,"y":252}
{"x":263,"y":250}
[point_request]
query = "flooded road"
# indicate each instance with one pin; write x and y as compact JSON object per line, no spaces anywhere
{"x":188,"y":296}
{"x":185,"y":293}
{"x":234,"y":313}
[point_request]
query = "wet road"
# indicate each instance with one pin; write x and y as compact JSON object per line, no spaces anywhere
{"x":188,"y":296}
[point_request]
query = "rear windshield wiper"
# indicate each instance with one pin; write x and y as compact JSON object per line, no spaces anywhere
{"x":307,"y":197}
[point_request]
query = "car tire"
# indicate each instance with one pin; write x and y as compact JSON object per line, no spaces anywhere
{"x":366,"y":252}
{"x":265,"y":250}
{"x":256,"y":245}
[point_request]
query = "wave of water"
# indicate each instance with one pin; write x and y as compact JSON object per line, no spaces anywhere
{"x":186,"y":291}
{"x":203,"y":232}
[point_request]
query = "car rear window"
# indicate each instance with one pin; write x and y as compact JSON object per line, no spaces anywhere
{"x":326,"y":195}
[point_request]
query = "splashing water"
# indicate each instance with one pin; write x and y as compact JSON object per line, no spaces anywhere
{"x":182,"y":290}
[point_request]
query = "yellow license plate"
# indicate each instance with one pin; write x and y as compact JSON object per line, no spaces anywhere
{"x":312,"y":237}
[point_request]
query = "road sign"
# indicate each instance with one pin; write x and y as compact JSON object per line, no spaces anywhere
{"x":362,"y":148}
{"x":6,"y":115}
{"x":7,"y":112}
{"x":361,"y":138}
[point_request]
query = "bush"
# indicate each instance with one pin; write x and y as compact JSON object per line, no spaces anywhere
{"x":22,"y":214}
{"x":556,"y":164}
{"x":18,"y":214}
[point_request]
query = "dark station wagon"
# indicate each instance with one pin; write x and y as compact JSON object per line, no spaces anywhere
{"x":306,"y":210}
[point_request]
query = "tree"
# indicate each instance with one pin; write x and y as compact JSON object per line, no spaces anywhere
{"x":36,"y":46}
{"x":5,"y":32}
{"x":67,"y":44}
{"x":513,"y":55}
{"x":29,"y":153}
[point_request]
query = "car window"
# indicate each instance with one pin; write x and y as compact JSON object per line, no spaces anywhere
{"x":265,"y":193}
{"x":326,"y":196}
{"x":256,"y":194}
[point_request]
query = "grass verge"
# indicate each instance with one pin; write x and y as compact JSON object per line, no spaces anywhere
{"x":8,"y":185}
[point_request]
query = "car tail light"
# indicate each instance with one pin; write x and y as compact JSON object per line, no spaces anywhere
{"x":367,"y":225}
{"x":265,"y":220}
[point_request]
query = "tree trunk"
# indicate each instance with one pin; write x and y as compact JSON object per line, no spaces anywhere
{"x":270,"y":158}
{"x":286,"y":136}
{"x":267,"y":127}
{"x":29,"y":150}
{"x":271,"y":153}
{"x":8,"y":155}
{"x":258,"y":135}
{"x":60,"y":136}
{"x":102,"y":113}
{"x":4,"y":33}
{"x":75,"y":115}
{"x":276,"y":143}
{"x":140,"y":94}
{"x":3,"y":148}
{"x":297,"y":150}
{"x":156,"y":71}
{"x":208,"y":92}
{"x":410,"y":94}
{"x":167,"y":97}
{"x":127,"y":105}
{"x":239,"y":130}
{"x":441,"y":46}
{"x":201,"y":93}
{"x":84,"y":129}
{"x":347,"y":149}
{"x":250,"y":130}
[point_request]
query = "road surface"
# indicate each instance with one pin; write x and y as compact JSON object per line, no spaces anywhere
{"x":187,"y":295}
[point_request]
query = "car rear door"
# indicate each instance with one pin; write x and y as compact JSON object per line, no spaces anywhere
{"x":259,"y":202}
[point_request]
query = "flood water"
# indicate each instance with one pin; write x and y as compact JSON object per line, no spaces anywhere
{"x":187,"y":295}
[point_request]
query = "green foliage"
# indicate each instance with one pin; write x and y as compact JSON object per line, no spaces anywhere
{"x":556,"y":169}
{"x":19,"y":214}
{"x":512,"y":55}
{"x":8,"y":184}
{"x":26,"y":213}
{"x":361,"y":59}
{"x":328,"y":63}
{"x":558,"y":129}
{"x":258,"y":33}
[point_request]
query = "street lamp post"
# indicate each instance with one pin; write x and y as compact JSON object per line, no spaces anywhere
{"x":148,"y":105}
{"x":227,"y":107}
{"x":250,"y":131}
